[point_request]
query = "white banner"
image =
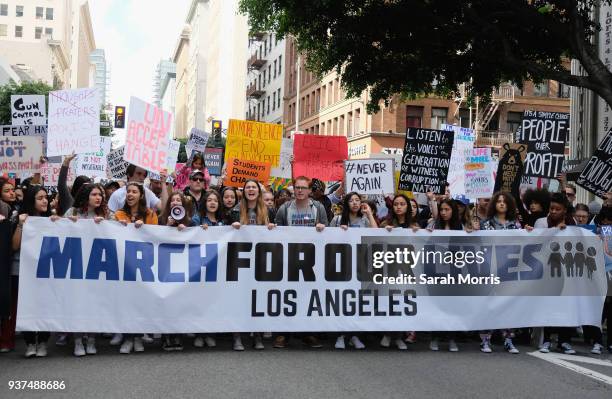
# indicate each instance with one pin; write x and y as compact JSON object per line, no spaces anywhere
{"x":28,"y":109}
{"x":108,"y":277}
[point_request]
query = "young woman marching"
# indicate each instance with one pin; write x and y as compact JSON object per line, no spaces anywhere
{"x":229,"y":211}
{"x":8,"y":283}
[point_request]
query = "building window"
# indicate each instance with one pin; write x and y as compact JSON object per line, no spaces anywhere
{"x":280,"y":64}
{"x":273,"y":101}
{"x":564,"y":90}
{"x":349,"y":124}
{"x":269,"y":73}
{"x":49,"y":14}
{"x":265,"y":47}
{"x":464,"y":117}
{"x":38,"y":32}
{"x":438,"y":117}
{"x":278,"y":98}
{"x":49,"y":32}
{"x":19,"y":11}
{"x":541,"y":89}
{"x":318,"y":100}
{"x":4,"y":9}
{"x":275,"y":69}
{"x":268,"y":109}
{"x":18,"y":31}
{"x":258,"y":110}
{"x":39,"y":12}
{"x":414,"y":116}
{"x":3,"y":30}
{"x":514,"y":121}
{"x":264,"y":78}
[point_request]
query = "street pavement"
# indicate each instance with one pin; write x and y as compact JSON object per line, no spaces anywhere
{"x":300,"y":372}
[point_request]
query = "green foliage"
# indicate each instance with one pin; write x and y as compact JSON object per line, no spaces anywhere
{"x":13,"y":88}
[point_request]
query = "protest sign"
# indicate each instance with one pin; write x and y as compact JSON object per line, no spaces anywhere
{"x":544,"y":134}
{"x":74,"y":122}
{"x":278,"y":183}
{"x":197,"y":140}
{"x":28,"y":109}
{"x":239,"y":171}
{"x":479,"y":180}
{"x":284,"y":164}
{"x":606,"y":235}
{"x":319,"y":156}
{"x":244,"y":274}
{"x":174,"y":147}
{"x":26,"y":130}
{"x":597,"y":174}
{"x":20,"y":155}
{"x":117,"y":167}
{"x":213,"y":158}
{"x":426,"y":160}
{"x":94,"y":164}
{"x":369,"y":176}
{"x":254,"y":141}
{"x":147,"y":139}
{"x":463,"y":144}
{"x":50,"y":171}
{"x":510,"y":168}
{"x":480,"y":155}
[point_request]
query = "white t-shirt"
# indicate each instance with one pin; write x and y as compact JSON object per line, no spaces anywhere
{"x":541,"y":223}
{"x":117,"y":199}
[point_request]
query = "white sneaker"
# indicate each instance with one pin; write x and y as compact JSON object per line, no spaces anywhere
{"x":210,"y":341}
{"x":385,"y":342}
{"x":485,"y":347}
{"x":567,"y":349}
{"x":433,"y":345}
{"x":146,"y":338}
{"x":452,"y":346}
{"x":545,"y":348}
{"x":356,"y":343}
{"x":597,"y":348}
{"x":258,"y":344}
{"x":267,"y":335}
{"x":62,"y":340}
{"x":509,"y":346}
{"x":127,"y":346}
{"x":401,"y":345}
{"x":138,"y":345}
{"x":79,"y":349}
{"x":238,"y":344}
{"x":117,"y":338}
{"x":340,"y":343}
{"x":41,"y":350}
{"x":91,"y":346}
{"x":198,"y":342}
{"x":30,"y":350}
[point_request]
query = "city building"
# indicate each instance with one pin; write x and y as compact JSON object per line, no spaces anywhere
{"x":265,"y":78}
{"x":163,"y":69}
{"x":100,"y":80}
{"x":50,"y":40}
{"x":167,"y":90}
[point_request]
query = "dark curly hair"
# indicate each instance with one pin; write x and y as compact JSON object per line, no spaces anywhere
{"x":81,"y":200}
{"x":511,"y":212}
{"x":540,"y":196}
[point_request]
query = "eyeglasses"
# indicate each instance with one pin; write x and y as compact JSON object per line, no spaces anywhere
{"x":300,"y":188}
{"x":198,"y":179}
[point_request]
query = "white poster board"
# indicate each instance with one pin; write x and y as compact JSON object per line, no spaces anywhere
{"x":94,"y":164}
{"x":284,"y":164}
{"x":28,"y":109}
{"x":369,"y":176}
{"x":20,"y":155}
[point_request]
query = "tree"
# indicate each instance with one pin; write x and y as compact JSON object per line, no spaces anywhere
{"x":431,"y":46}
{"x":13,"y":88}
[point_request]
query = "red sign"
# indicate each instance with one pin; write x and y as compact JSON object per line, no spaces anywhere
{"x":319,"y":156}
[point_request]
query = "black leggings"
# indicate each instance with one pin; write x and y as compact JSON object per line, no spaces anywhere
{"x":31,"y":337}
{"x":565,"y":334}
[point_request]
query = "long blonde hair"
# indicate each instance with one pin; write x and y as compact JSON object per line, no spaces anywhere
{"x":261,"y":210}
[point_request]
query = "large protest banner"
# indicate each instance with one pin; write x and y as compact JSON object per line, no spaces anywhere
{"x":426,"y":160}
{"x":28,"y":109}
{"x":463,"y":143}
{"x":213,"y":158}
{"x":297,"y":279}
{"x":319,"y":156}
{"x":94,"y":164}
{"x":147,"y":139}
{"x":597,"y":175}
{"x":369,"y":176}
{"x":510,"y":168}
{"x":254,"y":141}
{"x":544,"y":134}
{"x":74,"y":122}
{"x":117,"y":167}
{"x":284,"y":163}
{"x":20,"y":155}
{"x":239,"y":171}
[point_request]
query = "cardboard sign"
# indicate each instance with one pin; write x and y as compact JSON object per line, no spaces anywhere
{"x":74,"y":122}
{"x":545,"y":134}
{"x":606,"y":236}
{"x":197,"y":140}
{"x":50,"y":174}
{"x":463,"y":144}
{"x":94,"y":164}
{"x":284,"y":164}
{"x":20,"y":155}
{"x":174,"y":147}
{"x":147,"y":139}
{"x":117,"y":167}
{"x":510,"y":168}
{"x":239,"y":171}
{"x":426,"y":160}
{"x":213,"y":158}
{"x":26,"y":130}
{"x":28,"y":110}
{"x":369,"y":176}
{"x":480,"y":155}
{"x":597,"y":175}
{"x":254,"y":141}
{"x":319,"y":156}
{"x":479,"y":182}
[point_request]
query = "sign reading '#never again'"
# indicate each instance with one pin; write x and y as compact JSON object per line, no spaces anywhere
{"x":297,"y":279}
{"x":369,"y":176}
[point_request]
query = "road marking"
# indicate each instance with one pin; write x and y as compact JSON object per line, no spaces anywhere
{"x":566,"y":361}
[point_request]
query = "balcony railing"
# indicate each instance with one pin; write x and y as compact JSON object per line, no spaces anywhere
{"x":255,"y":62}
{"x":503,"y":93}
{"x":493,"y":138}
{"x":253,"y":92}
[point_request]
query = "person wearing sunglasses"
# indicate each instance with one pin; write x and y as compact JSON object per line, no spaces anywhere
{"x":195,"y":189}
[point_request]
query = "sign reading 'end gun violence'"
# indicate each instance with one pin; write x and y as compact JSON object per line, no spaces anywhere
{"x":254,"y":141}
{"x":426,"y":159}
{"x":597,"y":175}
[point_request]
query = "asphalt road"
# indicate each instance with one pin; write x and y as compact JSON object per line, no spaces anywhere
{"x":299,"y":372}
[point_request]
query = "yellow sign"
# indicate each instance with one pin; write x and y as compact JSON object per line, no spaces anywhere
{"x":406,"y":193}
{"x":254,"y":141}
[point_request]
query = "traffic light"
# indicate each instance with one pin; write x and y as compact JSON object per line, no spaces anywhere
{"x":120,"y":117}
{"x":216,"y":131}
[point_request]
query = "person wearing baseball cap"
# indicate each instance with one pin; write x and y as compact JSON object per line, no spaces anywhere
{"x":195,"y":189}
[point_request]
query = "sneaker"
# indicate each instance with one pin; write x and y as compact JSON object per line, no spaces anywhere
{"x":385,"y":342}
{"x":485,"y":346}
{"x":62,"y":340}
{"x":5,"y":350}
{"x":401,"y":345}
{"x":545,"y":348}
{"x":41,"y":349}
{"x":356,"y":343}
{"x":433,"y":345}
{"x":280,"y":342}
{"x":177,"y":343}
{"x":567,"y":349}
{"x":597,"y":348}
{"x":91,"y":346}
{"x":340,"y":343}
{"x":167,"y":344}
{"x":267,"y":335}
{"x":30,"y":350}
{"x":126,"y":346}
{"x":258,"y":344}
{"x":238,"y":344}
{"x":509,"y":346}
{"x":210,"y":341}
{"x":147,"y":339}
{"x":117,"y":338}
{"x":198,"y":342}
{"x":138,"y":345}
{"x":312,"y":342}
{"x":79,"y":349}
{"x":410,"y":337}
{"x":452,"y":346}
